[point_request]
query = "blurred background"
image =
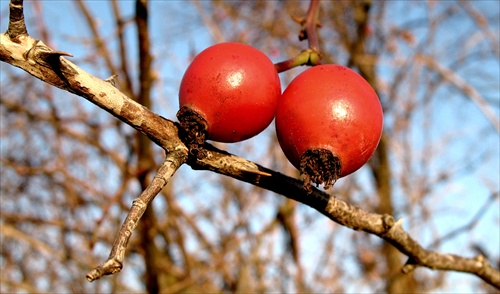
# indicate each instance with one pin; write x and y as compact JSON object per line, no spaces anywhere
{"x":70,"y":171}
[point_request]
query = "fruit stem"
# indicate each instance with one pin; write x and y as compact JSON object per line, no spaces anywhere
{"x":320,"y":166}
{"x":306,"y":57}
{"x":310,"y":24}
{"x":312,"y":55}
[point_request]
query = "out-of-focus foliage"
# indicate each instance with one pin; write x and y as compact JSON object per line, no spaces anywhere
{"x":69,"y":171}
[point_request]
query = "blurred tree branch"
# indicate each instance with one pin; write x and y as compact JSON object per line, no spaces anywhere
{"x":18,"y":49}
{"x":311,"y":55}
{"x":463,"y":86}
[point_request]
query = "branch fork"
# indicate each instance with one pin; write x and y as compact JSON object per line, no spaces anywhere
{"x":114,"y":263}
{"x":19,"y":49}
{"x":312,"y":55}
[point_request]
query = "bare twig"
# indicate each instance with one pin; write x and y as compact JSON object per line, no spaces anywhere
{"x":120,"y":25}
{"x":481,"y":22}
{"x":470,"y":224}
{"x":114,"y":263}
{"x":98,"y":40}
{"x":45,"y":64}
{"x":11,"y":232}
{"x":17,"y":26}
{"x":145,"y":58}
{"x":309,"y":25}
{"x":49,"y":66}
{"x":209,"y":22}
{"x":463,"y":86}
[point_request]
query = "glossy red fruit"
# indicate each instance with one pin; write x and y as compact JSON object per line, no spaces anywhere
{"x":233,"y":89}
{"x":329,"y":122}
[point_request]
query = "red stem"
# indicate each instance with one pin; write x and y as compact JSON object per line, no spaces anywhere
{"x":310,"y":25}
{"x":312,"y":55}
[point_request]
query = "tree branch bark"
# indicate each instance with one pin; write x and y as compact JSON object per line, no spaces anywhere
{"x":20,"y":50}
{"x":114,"y":263}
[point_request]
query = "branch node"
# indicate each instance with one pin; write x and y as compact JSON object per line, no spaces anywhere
{"x":482,"y":261}
{"x":480,"y":258}
{"x":17,"y":26}
{"x":161,"y":177}
{"x":45,"y":56}
{"x":139,"y":203}
{"x":111,"y":266}
{"x":388,"y":221}
{"x":408,"y":268}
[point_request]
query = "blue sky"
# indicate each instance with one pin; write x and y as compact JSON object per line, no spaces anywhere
{"x":459,"y":199}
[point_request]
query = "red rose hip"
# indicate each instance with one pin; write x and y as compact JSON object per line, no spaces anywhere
{"x":329,"y":122}
{"x":229,"y":93}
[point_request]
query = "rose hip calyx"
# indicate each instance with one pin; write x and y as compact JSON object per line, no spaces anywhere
{"x":320,"y":166}
{"x":195,"y":130}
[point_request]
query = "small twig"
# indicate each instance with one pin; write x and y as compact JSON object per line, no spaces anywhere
{"x":127,"y":87}
{"x":49,"y":66}
{"x":475,"y":219}
{"x":462,"y":85}
{"x":98,"y":40}
{"x":17,"y":26}
{"x":309,"y":26}
{"x":209,"y":22}
{"x":114,"y":263}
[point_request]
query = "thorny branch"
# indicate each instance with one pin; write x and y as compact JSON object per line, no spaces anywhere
{"x":309,"y":25}
{"x":19,"y":49}
{"x":114,"y":263}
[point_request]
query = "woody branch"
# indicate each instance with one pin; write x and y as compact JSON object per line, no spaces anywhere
{"x":19,"y":49}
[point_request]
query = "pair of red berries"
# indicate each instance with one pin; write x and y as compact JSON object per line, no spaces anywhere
{"x":328,"y":120}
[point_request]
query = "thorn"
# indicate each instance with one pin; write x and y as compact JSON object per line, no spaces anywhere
{"x":299,"y":20}
{"x":48,"y":58}
{"x":40,"y":51}
{"x":59,"y":53}
{"x":112,"y":80}
{"x":261,"y":173}
{"x":302,"y":35}
{"x":250,"y":167}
